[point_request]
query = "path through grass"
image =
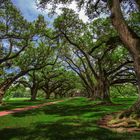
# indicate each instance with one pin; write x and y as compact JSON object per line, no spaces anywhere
{"x":22,"y":102}
{"x":69,"y":120}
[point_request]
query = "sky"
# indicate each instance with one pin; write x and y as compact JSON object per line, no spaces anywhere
{"x":28,"y":9}
{"x":30,"y":12}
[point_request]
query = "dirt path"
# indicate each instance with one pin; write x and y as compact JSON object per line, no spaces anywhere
{"x":7,"y":112}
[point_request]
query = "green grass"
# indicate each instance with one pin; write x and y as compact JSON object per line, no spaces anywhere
{"x":22,"y":102}
{"x":73,"y":119}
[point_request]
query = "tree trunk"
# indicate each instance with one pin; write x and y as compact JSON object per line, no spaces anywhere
{"x":61,"y":95}
{"x":135,"y":108}
{"x":101,"y":91}
{"x":106,"y":92}
{"x":56,"y":96}
{"x":137,"y":67}
{"x":94,"y":93}
{"x":2,"y":92}
{"x":8,"y":82}
{"x":47,"y":92}
{"x":71,"y":94}
{"x":138,"y":3}
{"x":131,"y":41}
{"x":3,"y":87}
{"x":48,"y":95}
{"x":33,"y":94}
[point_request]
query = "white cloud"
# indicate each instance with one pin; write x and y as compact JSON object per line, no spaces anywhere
{"x":30,"y":10}
{"x":74,"y":7}
{"x":81,"y":13}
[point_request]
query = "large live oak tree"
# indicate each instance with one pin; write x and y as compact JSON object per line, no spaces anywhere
{"x":98,"y":63}
{"x":35,"y":80}
{"x":24,"y":46}
{"x":33,"y":58}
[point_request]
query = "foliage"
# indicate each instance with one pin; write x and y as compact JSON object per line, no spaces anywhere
{"x":94,"y":51}
{"x":89,"y":56}
{"x":124,"y":91}
{"x":93,"y":9}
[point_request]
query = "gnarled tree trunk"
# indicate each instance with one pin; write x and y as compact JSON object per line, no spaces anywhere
{"x":132,"y":43}
{"x":101,"y":91}
{"x":104,"y":92}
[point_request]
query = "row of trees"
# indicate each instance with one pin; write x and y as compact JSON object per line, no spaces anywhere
{"x":119,"y":12}
{"x":29,"y":56}
{"x":72,"y":56}
{"x":100,"y":60}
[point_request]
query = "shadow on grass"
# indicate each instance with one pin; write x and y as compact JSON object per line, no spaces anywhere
{"x":76,"y":121}
{"x":71,"y":110}
{"x":19,"y":104}
{"x":62,"y":131}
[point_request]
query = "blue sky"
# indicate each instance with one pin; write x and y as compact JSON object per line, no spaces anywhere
{"x":28,"y":9}
{"x":30,"y":12}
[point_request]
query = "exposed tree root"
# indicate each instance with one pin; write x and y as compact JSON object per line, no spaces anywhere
{"x":114,"y":123}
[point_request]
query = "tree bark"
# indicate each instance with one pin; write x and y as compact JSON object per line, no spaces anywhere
{"x":56,"y":96}
{"x":8,"y":82}
{"x":3,"y":87}
{"x":2,"y":92}
{"x":33,"y":94}
{"x":132,"y":42}
{"x":106,"y":93}
{"x":47,"y":92}
{"x":48,"y":95}
{"x":138,"y":3}
{"x":101,"y":91}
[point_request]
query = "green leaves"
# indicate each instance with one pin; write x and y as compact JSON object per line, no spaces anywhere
{"x":69,"y":23}
{"x":34,"y":57}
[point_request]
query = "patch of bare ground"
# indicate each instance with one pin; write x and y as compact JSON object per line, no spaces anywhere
{"x":113,"y":123}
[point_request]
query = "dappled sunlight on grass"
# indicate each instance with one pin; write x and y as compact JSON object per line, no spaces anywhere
{"x":19,"y":103}
{"x":69,"y":120}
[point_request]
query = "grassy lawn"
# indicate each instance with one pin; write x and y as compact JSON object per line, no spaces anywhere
{"x":22,"y":102}
{"x":73,"y":119}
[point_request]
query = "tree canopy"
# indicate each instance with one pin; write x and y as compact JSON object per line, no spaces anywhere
{"x":72,"y":57}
